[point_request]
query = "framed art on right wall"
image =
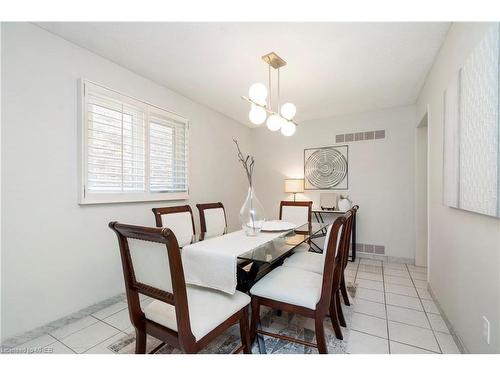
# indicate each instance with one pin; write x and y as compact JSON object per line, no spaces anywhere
{"x":471,"y":102}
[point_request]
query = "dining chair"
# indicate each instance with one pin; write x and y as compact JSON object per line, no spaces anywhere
{"x":179,"y":219}
{"x":212,"y":218}
{"x":296,"y":212}
{"x":314,"y":262}
{"x":301,"y":292}
{"x":187,"y":317}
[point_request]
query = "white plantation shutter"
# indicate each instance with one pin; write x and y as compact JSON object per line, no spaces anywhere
{"x":132,"y":151}
{"x":167,"y":154}
{"x":115,"y":146}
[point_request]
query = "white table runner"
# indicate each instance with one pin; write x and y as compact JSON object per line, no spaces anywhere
{"x":212,"y":263}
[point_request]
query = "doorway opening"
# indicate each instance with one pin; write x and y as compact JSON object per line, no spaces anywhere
{"x":421,"y":188}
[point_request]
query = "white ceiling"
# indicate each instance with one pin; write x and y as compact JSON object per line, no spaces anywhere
{"x":333,"y":68}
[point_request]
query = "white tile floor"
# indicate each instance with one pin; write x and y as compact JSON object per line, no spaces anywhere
{"x":392,"y":313}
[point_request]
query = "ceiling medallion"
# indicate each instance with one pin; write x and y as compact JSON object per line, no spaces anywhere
{"x":282,"y":117}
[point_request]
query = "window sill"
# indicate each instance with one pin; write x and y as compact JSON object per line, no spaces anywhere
{"x":105,"y":198}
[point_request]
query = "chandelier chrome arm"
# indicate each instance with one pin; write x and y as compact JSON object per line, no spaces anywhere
{"x":270,"y":111}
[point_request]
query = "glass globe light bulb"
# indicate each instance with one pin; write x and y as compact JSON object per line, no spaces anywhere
{"x":288,"y":129}
{"x":257,"y":115}
{"x":274,"y":123}
{"x":288,"y":110}
{"x":258,"y":93}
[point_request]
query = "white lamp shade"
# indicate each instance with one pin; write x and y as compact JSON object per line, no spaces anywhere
{"x":274,"y":123}
{"x":288,"y":110}
{"x":257,"y":115}
{"x":293,"y":185}
{"x":288,"y":128}
{"x":258,"y":93}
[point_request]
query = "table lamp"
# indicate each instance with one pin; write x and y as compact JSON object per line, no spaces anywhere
{"x":294,"y":185}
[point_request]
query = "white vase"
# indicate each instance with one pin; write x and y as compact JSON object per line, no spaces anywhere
{"x":252,"y":215}
{"x":344,"y":204}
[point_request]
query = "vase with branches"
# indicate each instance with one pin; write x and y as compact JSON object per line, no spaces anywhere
{"x":252,"y":216}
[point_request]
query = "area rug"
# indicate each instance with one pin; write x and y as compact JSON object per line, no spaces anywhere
{"x":288,"y":324}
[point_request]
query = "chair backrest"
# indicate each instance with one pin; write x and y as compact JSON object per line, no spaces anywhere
{"x":152,"y":266}
{"x":331,"y":258}
{"x":353,"y":210}
{"x":296,"y":212}
{"x":212,"y":218}
{"x":179,"y":219}
{"x":343,"y":254}
{"x":339,"y":237}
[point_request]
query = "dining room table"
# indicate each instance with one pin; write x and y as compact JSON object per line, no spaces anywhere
{"x":236,"y":261}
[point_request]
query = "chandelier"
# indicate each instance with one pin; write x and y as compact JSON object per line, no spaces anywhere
{"x":279,"y":118}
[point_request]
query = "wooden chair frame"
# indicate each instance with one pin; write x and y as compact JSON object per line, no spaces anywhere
{"x":207,"y":206}
{"x":331,"y":273}
{"x":183,"y":338}
{"x":336,"y":314}
{"x":343,"y":288}
{"x":159,"y":211}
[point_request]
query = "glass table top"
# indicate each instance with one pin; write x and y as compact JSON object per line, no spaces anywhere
{"x":277,"y":248}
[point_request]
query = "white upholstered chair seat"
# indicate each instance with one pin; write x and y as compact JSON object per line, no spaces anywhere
{"x":207,"y":309}
{"x":307,"y":261}
{"x":290,"y":285}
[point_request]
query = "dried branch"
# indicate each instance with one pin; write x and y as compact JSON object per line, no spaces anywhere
{"x":247,"y":162}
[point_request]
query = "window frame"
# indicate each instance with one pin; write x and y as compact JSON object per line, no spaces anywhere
{"x":84,"y":196}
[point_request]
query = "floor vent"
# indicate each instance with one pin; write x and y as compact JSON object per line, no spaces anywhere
{"x":360,"y":136}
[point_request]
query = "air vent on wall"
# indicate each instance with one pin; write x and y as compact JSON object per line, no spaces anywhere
{"x":370,"y":249}
{"x":360,"y":136}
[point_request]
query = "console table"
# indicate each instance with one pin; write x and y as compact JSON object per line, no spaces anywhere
{"x":319,"y":216}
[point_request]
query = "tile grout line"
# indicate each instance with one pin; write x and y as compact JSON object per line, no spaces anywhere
{"x":59,"y":341}
{"x":414,"y":346}
{"x":426,"y":316}
{"x":109,"y":324}
{"x":399,"y":342}
{"x":395,"y":321}
{"x":386,"y":315}
{"x":78,"y":330}
{"x":98,"y":321}
{"x":99,"y":343}
{"x":81,"y":329}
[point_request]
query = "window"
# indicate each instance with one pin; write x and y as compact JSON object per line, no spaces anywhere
{"x":131,"y":151}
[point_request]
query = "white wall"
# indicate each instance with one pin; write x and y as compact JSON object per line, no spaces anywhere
{"x":464,"y":247}
{"x":57,"y":256}
{"x":381,"y":172}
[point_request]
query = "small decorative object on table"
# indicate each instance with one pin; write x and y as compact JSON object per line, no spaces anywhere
{"x":344,"y":203}
{"x":328,"y":201}
{"x":252,"y":216}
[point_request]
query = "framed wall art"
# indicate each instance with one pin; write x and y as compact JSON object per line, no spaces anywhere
{"x":326,"y":168}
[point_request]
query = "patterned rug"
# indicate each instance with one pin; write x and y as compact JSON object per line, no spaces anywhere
{"x":287,"y":324}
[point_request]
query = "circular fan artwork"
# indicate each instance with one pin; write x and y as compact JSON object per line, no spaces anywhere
{"x":325,"y":168}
